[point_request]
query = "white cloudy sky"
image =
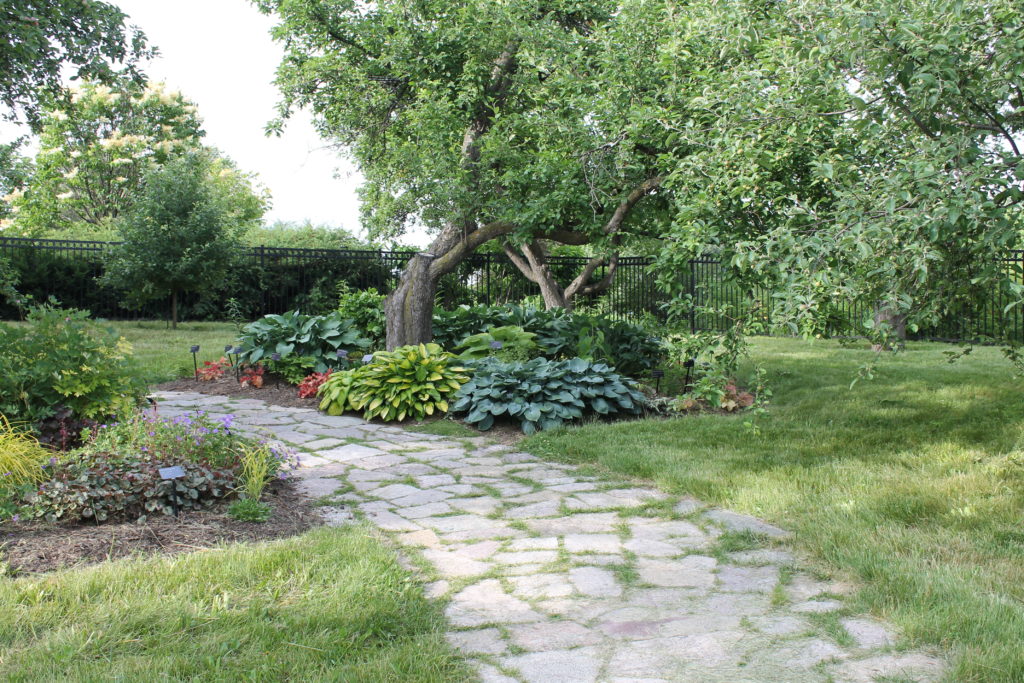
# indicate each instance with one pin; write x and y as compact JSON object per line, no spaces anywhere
{"x":220,"y":55}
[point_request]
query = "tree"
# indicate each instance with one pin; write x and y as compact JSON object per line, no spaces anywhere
{"x":481,"y":121}
{"x":180,"y":234}
{"x":916,"y":192}
{"x":95,"y":150}
{"x":14,"y":173}
{"x":45,"y":38}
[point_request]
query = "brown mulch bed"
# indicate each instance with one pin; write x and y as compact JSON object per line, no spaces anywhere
{"x":32,"y":547}
{"x":274,"y":390}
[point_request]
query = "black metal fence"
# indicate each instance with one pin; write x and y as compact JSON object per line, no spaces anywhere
{"x":277,"y":279}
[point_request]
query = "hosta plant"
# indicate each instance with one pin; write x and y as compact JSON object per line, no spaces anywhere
{"x":409,"y":382}
{"x":543,"y":394}
{"x":508,"y":342}
{"x":294,"y":334}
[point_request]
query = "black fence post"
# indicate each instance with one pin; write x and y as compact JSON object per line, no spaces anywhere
{"x":692,"y":289}
{"x":263,"y":277}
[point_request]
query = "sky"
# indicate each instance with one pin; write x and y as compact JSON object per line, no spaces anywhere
{"x":219,"y":54}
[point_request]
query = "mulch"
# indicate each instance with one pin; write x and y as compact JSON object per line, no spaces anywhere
{"x":34,"y":547}
{"x":274,"y":390}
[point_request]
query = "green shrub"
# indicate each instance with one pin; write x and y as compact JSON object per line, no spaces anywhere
{"x":61,"y":358}
{"x":365,"y":308}
{"x":294,"y":334}
{"x":411,"y":381}
{"x":249,"y":510}
{"x":23,"y":463}
{"x":507,"y":343}
{"x":543,"y":394}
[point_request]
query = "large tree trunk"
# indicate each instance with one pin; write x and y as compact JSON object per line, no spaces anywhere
{"x":409,"y":309}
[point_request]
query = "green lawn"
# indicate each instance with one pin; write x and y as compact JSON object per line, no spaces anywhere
{"x":164,"y":353}
{"x":912,"y":482}
{"x":330,"y":605}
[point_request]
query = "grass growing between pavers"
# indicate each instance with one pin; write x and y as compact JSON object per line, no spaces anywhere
{"x":332,"y":604}
{"x":912,"y":482}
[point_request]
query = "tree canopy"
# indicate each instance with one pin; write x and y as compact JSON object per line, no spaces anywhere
{"x":865,"y":150}
{"x":43,"y":39}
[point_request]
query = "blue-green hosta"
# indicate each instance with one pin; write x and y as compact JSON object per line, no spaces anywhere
{"x":411,"y":381}
{"x":543,"y":394}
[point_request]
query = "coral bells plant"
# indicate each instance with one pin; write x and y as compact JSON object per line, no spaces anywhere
{"x":212,"y":370}
{"x":309,"y":387}
{"x":252,"y":376}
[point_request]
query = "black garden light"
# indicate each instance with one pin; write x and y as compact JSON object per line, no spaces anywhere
{"x":342,"y":354}
{"x":496,"y":345}
{"x":275,"y":356}
{"x":367,"y":358}
{"x":238,"y":353}
{"x":195,"y":361}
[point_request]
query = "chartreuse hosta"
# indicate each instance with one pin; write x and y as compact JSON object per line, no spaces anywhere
{"x":411,"y":381}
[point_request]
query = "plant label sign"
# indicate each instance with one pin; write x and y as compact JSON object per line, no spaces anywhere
{"x":175,"y":472}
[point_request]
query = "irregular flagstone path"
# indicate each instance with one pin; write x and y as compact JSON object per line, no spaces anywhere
{"x":550,"y":575}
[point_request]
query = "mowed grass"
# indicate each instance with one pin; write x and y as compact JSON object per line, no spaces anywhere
{"x":912,"y":483}
{"x":163,"y":353}
{"x":330,"y":605}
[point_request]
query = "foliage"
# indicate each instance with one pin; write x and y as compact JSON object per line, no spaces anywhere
{"x":310,"y":385}
{"x":258,"y":466}
{"x":249,"y":510}
{"x":296,"y":336}
{"x":508,"y":342}
{"x":252,"y":376}
{"x":212,"y":370}
{"x":195,"y":437}
{"x":306,"y":235}
{"x":61,"y":358}
{"x":63,"y":430}
{"x":22,"y":464}
{"x":98,"y":488}
{"x":543,"y":394}
{"x":115,"y":475}
{"x":95,"y":152}
{"x":366,"y":310}
{"x":179,"y":235}
{"x":47,"y":41}
{"x":558,"y":334}
{"x":411,"y":381}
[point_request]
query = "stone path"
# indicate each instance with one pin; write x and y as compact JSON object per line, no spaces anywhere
{"x":553,"y":576}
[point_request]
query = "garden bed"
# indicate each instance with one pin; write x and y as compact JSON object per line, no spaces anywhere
{"x":31,"y":547}
{"x":274,"y":391}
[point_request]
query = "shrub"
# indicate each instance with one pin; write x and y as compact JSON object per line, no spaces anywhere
{"x":310,"y":386}
{"x":411,"y":381}
{"x":298,"y":336}
{"x":543,"y":394}
{"x":365,"y":308}
{"x":61,"y":358}
{"x":507,"y":343}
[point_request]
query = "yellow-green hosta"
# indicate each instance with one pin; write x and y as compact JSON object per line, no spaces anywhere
{"x":411,"y":381}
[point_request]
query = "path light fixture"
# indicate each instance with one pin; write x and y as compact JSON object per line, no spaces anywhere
{"x":195,"y":361}
{"x":342,"y":354}
{"x":275,"y":356}
{"x":496,"y":345}
{"x":238,"y":354}
{"x":367,"y":358}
